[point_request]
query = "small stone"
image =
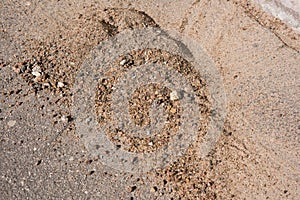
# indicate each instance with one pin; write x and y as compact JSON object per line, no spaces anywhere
{"x":123,"y":62}
{"x":60,"y":84}
{"x":154,"y":189}
{"x":36,"y":69}
{"x":64,"y":118}
{"x":88,"y":120}
{"x":46,"y":84}
{"x":173,"y":110}
{"x":150,"y":143}
{"x":11,"y":123}
{"x":36,"y":74}
{"x":174,"y":96}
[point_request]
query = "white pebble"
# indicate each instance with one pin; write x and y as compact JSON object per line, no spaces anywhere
{"x":36,"y":69}
{"x":36,"y":74}
{"x":174,"y":96}
{"x":11,"y":123}
{"x":60,"y":84}
{"x":46,"y":84}
{"x":123,"y":62}
{"x":64,"y":119}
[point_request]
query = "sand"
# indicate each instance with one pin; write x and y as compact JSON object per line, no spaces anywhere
{"x":238,"y":60}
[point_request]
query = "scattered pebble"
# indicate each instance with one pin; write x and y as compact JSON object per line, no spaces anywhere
{"x":173,"y":110}
{"x":46,"y":84}
{"x":174,"y":96}
{"x":36,"y":74}
{"x":123,"y":62}
{"x":153,"y":190}
{"x":150,"y":143}
{"x":60,"y":84}
{"x":11,"y":123}
{"x":36,"y":69}
{"x":64,"y":118}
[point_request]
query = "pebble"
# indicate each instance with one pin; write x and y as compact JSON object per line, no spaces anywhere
{"x":152,"y":190}
{"x":173,"y":110}
{"x":60,"y":84}
{"x":64,"y":118}
{"x":174,"y":96}
{"x":46,"y":84}
{"x":11,"y":123}
{"x":36,"y":69}
{"x":36,"y":74}
{"x":123,"y":62}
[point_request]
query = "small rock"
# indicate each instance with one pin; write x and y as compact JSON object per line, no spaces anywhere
{"x":60,"y":84}
{"x":150,"y":143}
{"x":123,"y":62}
{"x":173,"y":110}
{"x":174,"y":96}
{"x":46,"y":84}
{"x":36,"y":69}
{"x":152,"y":190}
{"x":11,"y":123}
{"x":64,"y":118}
{"x":36,"y":74}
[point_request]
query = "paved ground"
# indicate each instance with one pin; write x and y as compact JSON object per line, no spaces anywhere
{"x":240,"y":62}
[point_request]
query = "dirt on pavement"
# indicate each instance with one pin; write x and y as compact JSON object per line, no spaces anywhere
{"x":43,"y":46}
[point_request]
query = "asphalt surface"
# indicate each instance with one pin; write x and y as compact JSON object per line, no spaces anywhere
{"x":148,"y":100}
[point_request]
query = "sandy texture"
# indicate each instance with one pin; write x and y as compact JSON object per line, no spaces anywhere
{"x":43,"y":45}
